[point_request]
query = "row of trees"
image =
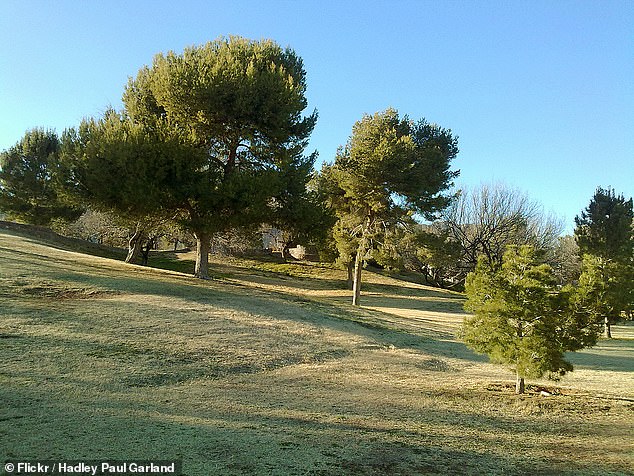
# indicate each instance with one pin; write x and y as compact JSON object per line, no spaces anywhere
{"x":211,"y":140}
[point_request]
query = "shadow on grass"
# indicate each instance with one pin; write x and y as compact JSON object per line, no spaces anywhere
{"x":45,"y":237}
{"x":336,"y":315}
{"x":256,"y":439}
{"x":614,"y":354}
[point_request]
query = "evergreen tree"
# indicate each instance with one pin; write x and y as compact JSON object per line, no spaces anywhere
{"x":605,"y":232}
{"x":239,"y":102}
{"x":29,"y":176}
{"x":126,"y":170}
{"x":520,"y":317}
{"x":390,"y":169}
{"x":604,"y":228}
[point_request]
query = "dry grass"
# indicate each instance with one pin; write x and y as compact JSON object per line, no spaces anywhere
{"x":268,"y":370}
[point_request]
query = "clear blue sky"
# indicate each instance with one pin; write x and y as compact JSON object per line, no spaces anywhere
{"x":540,"y":93}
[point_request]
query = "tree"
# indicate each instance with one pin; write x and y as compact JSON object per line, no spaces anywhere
{"x":602,"y":286}
{"x":605,"y":232}
{"x":125,"y":169}
{"x":390,"y":169}
{"x":487,"y":219}
{"x":29,"y":172}
{"x":422,"y":248}
{"x":604,"y":228}
{"x":522,"y":319}
{"x":237,"y":101}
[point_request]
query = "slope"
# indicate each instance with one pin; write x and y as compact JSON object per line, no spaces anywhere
{"x":268,"y":370}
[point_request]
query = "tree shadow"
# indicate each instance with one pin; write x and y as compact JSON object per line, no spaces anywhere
{"x":418,"y":332}
{"x":614,"y":354}
{"x":258,"y":437}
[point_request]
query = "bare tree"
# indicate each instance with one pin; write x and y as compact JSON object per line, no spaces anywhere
{"x":565,"y":260}
{"x":484,"y":220}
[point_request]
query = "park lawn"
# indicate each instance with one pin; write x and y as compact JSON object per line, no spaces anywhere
{"x":267,"y":369}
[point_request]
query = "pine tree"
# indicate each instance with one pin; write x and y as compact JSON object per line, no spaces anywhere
{"x":390,"y":169}
{"x":29,"y":178}
{"x":125,"y":169}
{"x":605,"y":235}
{"x":521,"y":319}
{"x":604,"y":228}
{"x":240,"y":103}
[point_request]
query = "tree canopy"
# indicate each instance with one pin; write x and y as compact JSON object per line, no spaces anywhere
{"x":486,"y":219}
{"x":125,"y":169}
{"x":604,"y":227}
{"x":29,"y":176}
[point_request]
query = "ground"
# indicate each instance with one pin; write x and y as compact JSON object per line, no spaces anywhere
{"x":267,"y":369}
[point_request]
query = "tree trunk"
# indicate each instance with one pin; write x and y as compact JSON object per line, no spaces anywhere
{"x":135,"y":244}
{"x":145,"y":256}
{"x":356,"y":283}
{"x":350,"y":267}
{"x":202,"y":255}
{"x":284,"y":251}
{"x":519,"y":384}
{"x":175,"y":244}
{"x":607,"y":331}
{"x":358,"y":262}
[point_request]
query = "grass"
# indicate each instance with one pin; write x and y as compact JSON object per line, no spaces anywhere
{"x":267,"y":369}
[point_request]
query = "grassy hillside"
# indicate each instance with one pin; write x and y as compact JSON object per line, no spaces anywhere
{"x":268,"y":370}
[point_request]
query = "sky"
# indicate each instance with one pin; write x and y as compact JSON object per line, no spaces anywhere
{"x":539,"y":93}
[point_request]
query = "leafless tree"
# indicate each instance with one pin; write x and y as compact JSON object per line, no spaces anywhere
{"x":484,"y":220}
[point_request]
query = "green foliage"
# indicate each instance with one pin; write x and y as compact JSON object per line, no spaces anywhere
{"x":424,"y":249}
{"x":300,"y":211}
{"x":29,"y":176}
{"x":605,"y":235}
{"x":522,"y":319}
{"x":239,"y":103}
{"x":228,"y":94}
{"x":347,"y":225}
{"x":393,"y":163}
{"x":605,"y":227}
{"x":123,"y":167}
{"x":390,"y":169}
{"x":605,"y":287}
{"x":211,"y":138}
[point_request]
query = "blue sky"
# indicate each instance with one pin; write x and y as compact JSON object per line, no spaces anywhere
{"x":540,"y":93}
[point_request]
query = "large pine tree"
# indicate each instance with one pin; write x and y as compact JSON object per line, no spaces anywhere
{"x":238,"y":101}
{"x":390,"y":169}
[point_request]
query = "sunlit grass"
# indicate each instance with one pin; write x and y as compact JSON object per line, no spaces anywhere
{"x":267,"y":369}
